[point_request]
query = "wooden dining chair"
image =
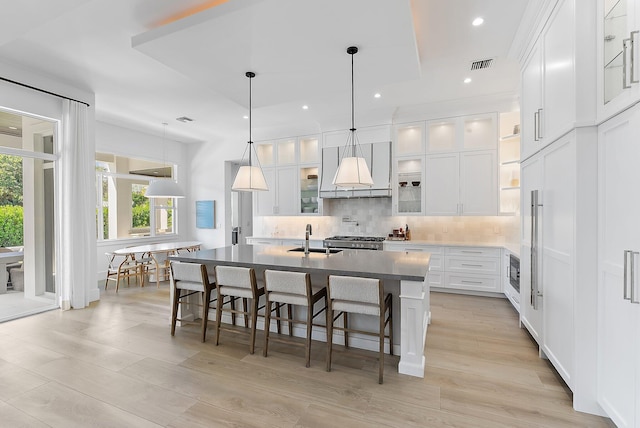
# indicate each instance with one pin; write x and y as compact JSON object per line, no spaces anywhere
{"x":122,"y":267}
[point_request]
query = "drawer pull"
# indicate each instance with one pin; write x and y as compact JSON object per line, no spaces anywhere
{"x":469,"y":251}
{"x":464,"y":281}
{"x":470,"y":265}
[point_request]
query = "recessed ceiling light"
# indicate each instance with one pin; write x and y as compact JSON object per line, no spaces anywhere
{"x":377,"y":95}
{"x":13,"y":127}
{"x":467,"y":80}
{"x":477,"y":21}
{"x":245,"y":117}
{"x":305,"y":107}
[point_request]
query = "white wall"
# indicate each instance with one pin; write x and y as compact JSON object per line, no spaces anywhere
{"x":207,"y":174}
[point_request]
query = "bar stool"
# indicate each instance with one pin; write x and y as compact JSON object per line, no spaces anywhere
{"x":238,"y":283}
{"x":364,"y":296}
{"x":192,"y":278}
{"x":291,"y":288}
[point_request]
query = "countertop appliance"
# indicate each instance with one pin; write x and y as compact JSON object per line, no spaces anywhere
{"x":514,"y":272}
{"x":354,"y":242}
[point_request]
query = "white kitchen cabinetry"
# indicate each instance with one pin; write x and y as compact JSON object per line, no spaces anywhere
{"x":282,"y":196}
{"x":618,"y":61}
{"x":462,"y":183}
{"x":509,"y":160}
{"x":618,"y":269}
{"x":549,"y":81}
{"x":464,"y":268}
{"x":558,"y":250}
{"x":287,"y":165}
{"x":409,"y":139}
{"x":475,"y":132}
{"x":408,"y":185}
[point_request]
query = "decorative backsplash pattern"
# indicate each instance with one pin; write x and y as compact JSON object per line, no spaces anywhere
{"x":373,"y":217}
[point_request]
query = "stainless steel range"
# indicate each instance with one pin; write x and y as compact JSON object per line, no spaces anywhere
{"x":354,"y":242}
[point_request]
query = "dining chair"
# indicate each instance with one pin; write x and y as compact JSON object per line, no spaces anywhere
{"x":364,"y":296}
{"x":235,"y":283}
{"x":291,"y":289}
{"x":190,"y":279}
{"x":122,"y":266}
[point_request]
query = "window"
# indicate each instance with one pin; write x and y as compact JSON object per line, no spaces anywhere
{"x":122,"y":210}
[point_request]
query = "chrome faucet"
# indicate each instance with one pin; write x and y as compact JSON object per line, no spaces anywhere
{"x":306,"y":239}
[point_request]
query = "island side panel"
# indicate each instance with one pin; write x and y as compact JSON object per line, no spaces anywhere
{"x":414,"y":311}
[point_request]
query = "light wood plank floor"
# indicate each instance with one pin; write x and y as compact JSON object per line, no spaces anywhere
{"x":115,"y":364}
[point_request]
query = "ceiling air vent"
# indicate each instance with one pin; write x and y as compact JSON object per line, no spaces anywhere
{"x":481,"y":64}
{"x":184,"y":119}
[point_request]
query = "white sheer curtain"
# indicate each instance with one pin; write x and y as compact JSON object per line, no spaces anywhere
{"x":76,"y":198}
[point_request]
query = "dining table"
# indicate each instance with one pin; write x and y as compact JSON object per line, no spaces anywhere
{"x":8,"y":258}
{"x":158,"y":254}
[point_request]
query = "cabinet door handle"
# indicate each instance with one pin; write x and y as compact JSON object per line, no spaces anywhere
{"x":470,"y":265}
{"x":624,"y":64}
{"x":625,"y":294}
{"x":539,"y":124}
{"x":535,"y":126}
{"x":633,"y":279}
{"x":464,"y":281}
{"x":633,"y":60}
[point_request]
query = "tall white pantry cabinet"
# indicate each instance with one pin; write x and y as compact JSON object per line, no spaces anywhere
{"x":558,"y":301}
{"x":619,"y":268}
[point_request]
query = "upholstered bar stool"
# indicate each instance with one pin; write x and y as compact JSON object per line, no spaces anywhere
{"x":235,"y":283}
{"x":346,"y":294}
{"x":191,"y":278}
{"x":291,"y":289}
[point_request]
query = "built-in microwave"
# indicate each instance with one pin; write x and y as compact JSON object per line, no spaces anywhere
{"x":514,"y":272}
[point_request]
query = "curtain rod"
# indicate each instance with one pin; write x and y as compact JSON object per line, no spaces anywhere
{"x":42,"y":90}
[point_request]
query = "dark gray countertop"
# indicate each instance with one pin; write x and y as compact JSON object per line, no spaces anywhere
{"x":365,"y":263}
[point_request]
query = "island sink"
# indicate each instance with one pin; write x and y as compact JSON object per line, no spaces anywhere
{"x":315,"y":250}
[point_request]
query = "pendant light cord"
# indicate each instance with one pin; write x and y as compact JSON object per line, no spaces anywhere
{"x":250,"y":141}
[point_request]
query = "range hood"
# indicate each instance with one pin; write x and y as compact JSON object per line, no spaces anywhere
{"x":378,"y":158}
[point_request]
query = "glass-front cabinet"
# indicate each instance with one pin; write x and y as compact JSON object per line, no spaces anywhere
{"x":619,"y":62}
{"x":409,"y":185}
{"x":266,"y":152}
{"x":309,"y":148}
{"x":409,"y":139}
{"x":442,"y":135}
{"x":509,"y":161}
{"x":286,"y":151}
{"x":309,"y":201}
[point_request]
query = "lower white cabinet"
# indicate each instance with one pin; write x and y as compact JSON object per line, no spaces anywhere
{"x":618,"y":269}
{"x":460,"y":267}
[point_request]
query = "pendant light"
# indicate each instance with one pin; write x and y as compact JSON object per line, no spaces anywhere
{"x":353,"y":171}
{"x":250,"y":177}
{"x":161,"y":187}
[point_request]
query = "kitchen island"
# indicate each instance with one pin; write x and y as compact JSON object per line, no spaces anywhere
{"x":404,"y":275}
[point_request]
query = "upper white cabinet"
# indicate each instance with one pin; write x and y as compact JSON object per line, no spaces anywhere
{"x":409,"y":185}
{"x":551,"y":103}
{"x":475,"y":132}
{"x":618,"y":61}
{"x":463,"y":183}
{"x":409,"y":139}
{"x":289,"y":167}
{"x":618,"y":269}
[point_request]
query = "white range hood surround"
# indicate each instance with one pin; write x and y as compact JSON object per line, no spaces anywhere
{"x":378,"y":158}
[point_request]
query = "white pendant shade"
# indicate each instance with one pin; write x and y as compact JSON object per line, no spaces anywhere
{"x":164,"y":189}
{"x":353,"y":172}
{"x":249,"y":178}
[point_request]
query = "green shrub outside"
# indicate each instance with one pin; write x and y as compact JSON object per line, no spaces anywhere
{"x":11,"y":231}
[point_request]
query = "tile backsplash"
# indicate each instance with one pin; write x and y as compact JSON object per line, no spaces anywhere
{"x":373,"y":217}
